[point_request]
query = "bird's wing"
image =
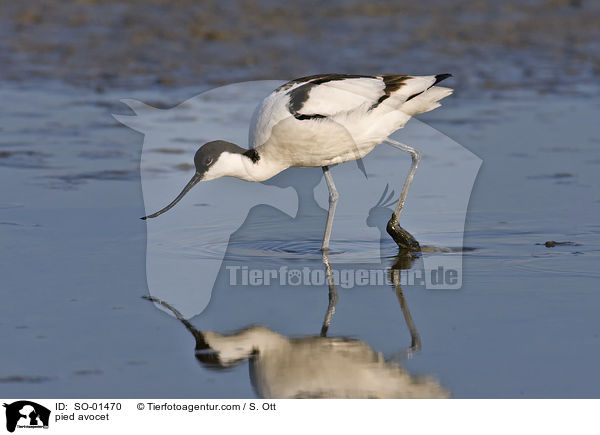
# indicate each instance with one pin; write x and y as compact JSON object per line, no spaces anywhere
{"x":327,"y":95}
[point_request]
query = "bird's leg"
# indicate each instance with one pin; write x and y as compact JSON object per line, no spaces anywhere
{"x":415,"y":338}
{"x":333,"y":296}
{"x":416,"y":158}
{"x":402,"y":237}
{"x":333,"y":197}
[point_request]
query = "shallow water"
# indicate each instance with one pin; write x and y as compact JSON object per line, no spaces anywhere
{"x":524,"y":323}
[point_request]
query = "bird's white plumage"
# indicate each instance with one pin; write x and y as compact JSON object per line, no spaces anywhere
{"x":328,"y":119}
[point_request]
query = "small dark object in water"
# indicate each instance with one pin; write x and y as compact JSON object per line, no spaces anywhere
{"x":552,"y":244}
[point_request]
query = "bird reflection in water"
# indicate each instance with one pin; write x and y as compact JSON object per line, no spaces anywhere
{"x":321,"y":366}
{"x":315,"y":366}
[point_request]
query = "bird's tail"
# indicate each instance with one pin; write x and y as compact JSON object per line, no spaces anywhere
{"x":426,"y":101}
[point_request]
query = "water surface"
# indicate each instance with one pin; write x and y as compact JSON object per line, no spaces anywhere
{"x":73,"y":321}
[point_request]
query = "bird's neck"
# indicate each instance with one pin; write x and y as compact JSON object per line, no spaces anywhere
{"x":252,"y":165}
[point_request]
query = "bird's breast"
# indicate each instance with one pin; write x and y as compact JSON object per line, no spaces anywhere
{"x":316,"y":142}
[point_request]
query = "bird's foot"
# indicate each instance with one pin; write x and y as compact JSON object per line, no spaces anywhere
{"x":403,"y":238}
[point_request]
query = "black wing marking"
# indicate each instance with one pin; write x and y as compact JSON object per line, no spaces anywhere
{"x":392,"y":84}
{"x":299,"y":95}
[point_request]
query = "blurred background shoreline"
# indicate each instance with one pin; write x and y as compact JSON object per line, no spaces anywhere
{"x":545,"y":46}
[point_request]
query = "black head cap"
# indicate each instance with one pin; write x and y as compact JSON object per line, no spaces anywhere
{"x":208,"y":154}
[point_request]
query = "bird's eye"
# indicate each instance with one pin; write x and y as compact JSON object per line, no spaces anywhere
{"x":208,"y":161}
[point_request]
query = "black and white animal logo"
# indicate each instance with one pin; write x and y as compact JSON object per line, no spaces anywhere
{"x":26,"y":414}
